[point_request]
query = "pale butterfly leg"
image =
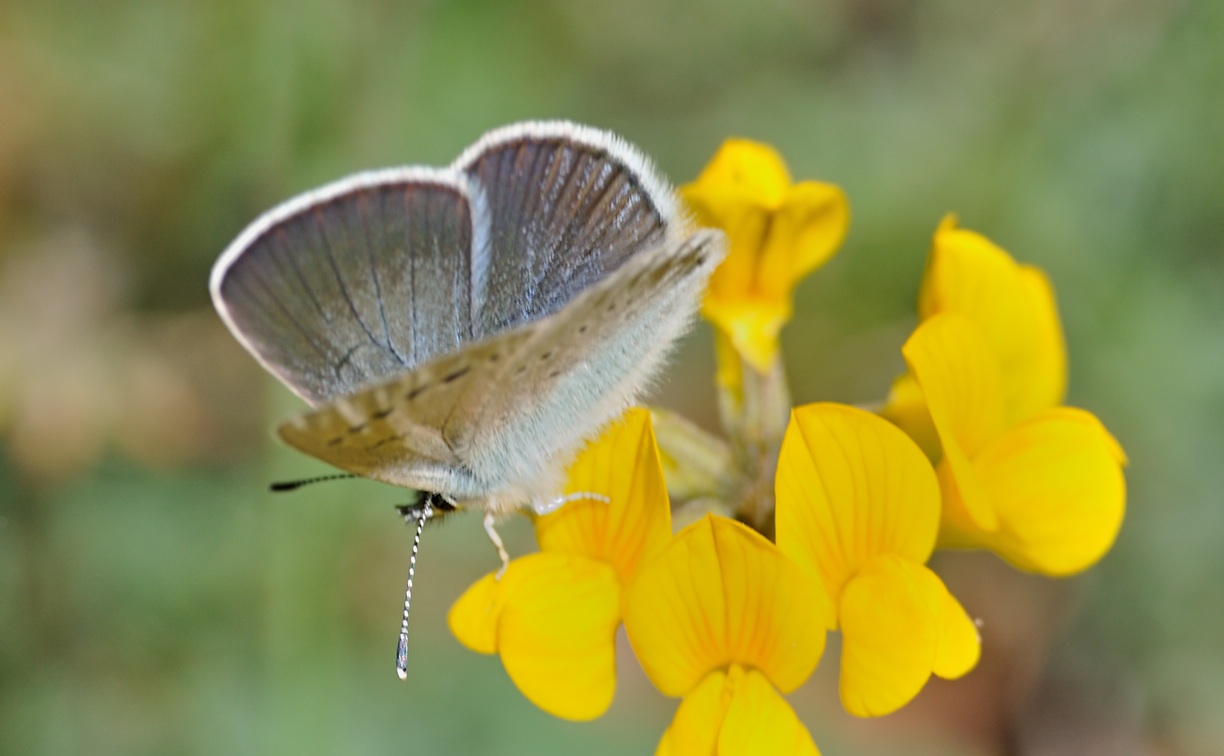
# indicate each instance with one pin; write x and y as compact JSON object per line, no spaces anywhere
{"x":542,"y":508}
{"x":497,"y":542}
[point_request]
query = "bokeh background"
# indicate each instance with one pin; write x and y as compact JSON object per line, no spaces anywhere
{"x":155,"y":598}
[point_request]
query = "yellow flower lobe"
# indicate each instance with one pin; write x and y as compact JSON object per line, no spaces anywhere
{"x":721,"y":594}
{"x":778,"y":232}
{"x":552,"y":616}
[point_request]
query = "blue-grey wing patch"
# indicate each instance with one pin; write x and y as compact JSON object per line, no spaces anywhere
{"x":354,"y":283}
{"x":567,"y":206}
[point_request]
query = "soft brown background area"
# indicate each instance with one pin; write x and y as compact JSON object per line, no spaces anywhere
{"x":155,"y":599}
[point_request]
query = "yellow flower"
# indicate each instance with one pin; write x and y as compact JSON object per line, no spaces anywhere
{"x":723,"y":619}
{"x":1039,"y":484}
{"x":779,"y":232}
{"x":1013,"y":304}
{"x":1046,"y":492}
{"x":553,"y":615}
{"x":858,"y":505}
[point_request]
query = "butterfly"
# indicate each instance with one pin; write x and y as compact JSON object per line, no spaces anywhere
{"x":463,"y":331}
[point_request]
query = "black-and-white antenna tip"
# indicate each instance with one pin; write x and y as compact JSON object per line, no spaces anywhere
{"x":401,"y":648}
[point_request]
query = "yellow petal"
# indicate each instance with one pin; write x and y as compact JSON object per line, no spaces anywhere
{"x":473,"y":617}
{"x":1057,"y":482}
{"x":735,"y":712}
{"x":718,"y":594}
{"x":806,"y":230}
{"x":890,"y":636}
{"x":750,"y":296}
{"x":899,"y":625}
{"x":959,"y":376}
{"x":623,"y":465}
{"x":752,"y":170}
{"x":1013,"y":305}
{"x":777,"y":234}
{"x":752,"y":326}
{"x":930,"y":291}
{"x":739,"y":192}
{"x":958,"y":646}
{"x":969,"y":274}
{"x":759,"y":720}
{"x":557,"y":632}
{"x":906,"y":408}
{"x":1039,"y":380}
{"x":1094,"y":427}
{"x":957,"y":529}
{"x":698,"y":720}
{"x":850,"y":487}
{"x":747,"y":227}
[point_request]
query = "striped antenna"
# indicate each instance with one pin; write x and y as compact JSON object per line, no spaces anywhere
{"x":401,"y":649}
{"x":291,"y":485}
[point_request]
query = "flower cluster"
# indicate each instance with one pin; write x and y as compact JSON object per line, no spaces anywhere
{"x":809,"y":519}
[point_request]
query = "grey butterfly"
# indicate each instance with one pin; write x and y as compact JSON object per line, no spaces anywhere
{"x":463,"y":331}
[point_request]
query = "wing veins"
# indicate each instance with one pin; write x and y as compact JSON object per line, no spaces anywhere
{"x":603,"y":231}
{"x":279,"y":237}
{"x":288,"y":314}
{"x":317,"y":216}
{"x":363,"y":213}
{"x":528,"y":210}
{"x":411,"y":277}
{"x":565,"y":235}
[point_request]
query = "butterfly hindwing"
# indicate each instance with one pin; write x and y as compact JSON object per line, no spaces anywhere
{"x":394,"y":431}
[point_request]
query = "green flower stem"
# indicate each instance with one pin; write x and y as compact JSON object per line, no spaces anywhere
{"x":697,"y":464}
{"x":756,"y":438}
{"x":735,"y":476}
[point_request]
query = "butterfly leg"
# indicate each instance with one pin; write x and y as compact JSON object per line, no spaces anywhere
{"x":497,"y":542}
{"x":542,"y":508}
{"x":439,"y":503}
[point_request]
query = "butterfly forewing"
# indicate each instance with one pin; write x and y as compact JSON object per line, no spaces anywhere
{"x":567,"y":206}
{"x":355,"y":283}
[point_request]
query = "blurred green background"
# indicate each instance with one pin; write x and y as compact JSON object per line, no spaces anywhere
{"x":154,"y":598}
